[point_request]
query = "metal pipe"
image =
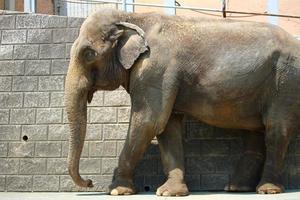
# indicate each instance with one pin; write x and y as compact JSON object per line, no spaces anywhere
{"x":185,"y":7}
{"x":224,"y":8}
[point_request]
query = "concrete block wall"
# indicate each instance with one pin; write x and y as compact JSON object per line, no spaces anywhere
{"x":34,"y":56}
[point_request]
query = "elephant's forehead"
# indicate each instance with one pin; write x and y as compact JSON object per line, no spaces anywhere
{"x":91,"y":27}
{"x":91,"y":32}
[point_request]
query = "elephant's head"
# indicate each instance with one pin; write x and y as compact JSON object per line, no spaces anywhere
{"x":101,"y":57}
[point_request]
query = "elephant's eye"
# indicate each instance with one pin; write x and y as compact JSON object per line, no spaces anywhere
{"x":90,"y":55}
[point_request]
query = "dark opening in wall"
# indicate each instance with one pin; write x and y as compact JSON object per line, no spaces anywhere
{"x":147,"y":188}
{"x":25,"y":138}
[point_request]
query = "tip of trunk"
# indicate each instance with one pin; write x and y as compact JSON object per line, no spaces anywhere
{"x":78,"y":180}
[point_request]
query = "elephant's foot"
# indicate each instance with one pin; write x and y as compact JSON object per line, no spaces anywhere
{"x":247,"y":173}
{"x":122,"y":187}
{"x":173,"y":187}
{"x":269,"y":188}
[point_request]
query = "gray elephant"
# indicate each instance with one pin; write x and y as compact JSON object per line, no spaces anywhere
{"x":230,"y":74}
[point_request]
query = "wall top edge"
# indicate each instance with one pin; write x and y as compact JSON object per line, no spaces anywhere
{"x":9,"y":12}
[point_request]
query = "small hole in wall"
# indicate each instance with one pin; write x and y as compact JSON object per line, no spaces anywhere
{"x":25,"y":138}
{"x":147,"y":188}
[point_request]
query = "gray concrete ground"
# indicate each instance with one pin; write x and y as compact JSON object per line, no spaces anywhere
{"x":289,"y":195}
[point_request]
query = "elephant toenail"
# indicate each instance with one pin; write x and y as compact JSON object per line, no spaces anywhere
{"x":114,"y":192}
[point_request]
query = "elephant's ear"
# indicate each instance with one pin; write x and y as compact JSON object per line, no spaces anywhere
{"x":131,"y":44}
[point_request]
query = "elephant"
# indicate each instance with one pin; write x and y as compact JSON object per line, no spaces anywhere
{"x":226,"y":73}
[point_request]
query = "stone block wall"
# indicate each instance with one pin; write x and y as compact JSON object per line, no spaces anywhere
{"x":34,"y":56}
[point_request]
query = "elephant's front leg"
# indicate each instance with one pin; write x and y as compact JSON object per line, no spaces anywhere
{"x":150,"y":111}
{"x":138,"y":139}
{"x":170,"y":144}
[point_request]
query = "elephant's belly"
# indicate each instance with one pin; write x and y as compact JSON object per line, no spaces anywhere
{"x":236,"y":114}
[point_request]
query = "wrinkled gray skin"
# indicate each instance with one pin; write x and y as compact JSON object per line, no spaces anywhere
{"x":230,"y":74}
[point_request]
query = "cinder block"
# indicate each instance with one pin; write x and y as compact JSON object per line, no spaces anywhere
{"x":35,"y":132}
{"x":26,"y":52}
{"x":51,"y":83}
{"x":18,"y":183}
{"x":13,"y":36}
{"x":11,"y":68}
{"x":214,"y":181}
{"x":51,"y":21}
{"x":102,"y":149}
{"x":36,"y":99}
{"x":204,"y":165}
{"x":294,"y":181}
{"x":11,"y":100}
{"x":65,"y":117}
{"x":214,"y":147}
{"x":297,"y":149}
{"x":57,"y":99}
{"x":43,"y":36}
{"x":59,"y":66}
{"x":5,"y":83}
{"x":25,"y":83}
{"x":65,"y":149}
{"x":236,"y":146}
{"x":224,"y":164}
{"x":147,"y":166}
{"x":103,"y":115}
{"x":75,"y":22}
{"x":124,"y":114}
{"x":9,"y":166}
{"x":10,"y":132}
{"x":115,"y":131}
{"x":7,"y":21}
{"x":37,"y":67}
{"x":28,"y":21}
{"x":193,"y":182}
{"x":0,"y":35}
{"x":2,"y":183}
{"x":45,"y":183}
{"x":94,"y":132}
{"x":65,"y":35}
{"x":21,"y":149}
{"x":116,"y":98}
{"x":33,"y":166}
{"x":297,"y":162}
{"x":57,"y":166}
{"x":49,"y":116}
{"x":97,"y":99}
{"x":52,"y":50}
{"x":3,"y":149}
{"x":22,"y":116}
{"x":6,"y":52}
{"x":4,"y":116}
{"x":89,"y":165}
{"x":48,"y":149}
{"x":68,"y":49}
{"x":108,"y":165}
{"x":59,"y":132}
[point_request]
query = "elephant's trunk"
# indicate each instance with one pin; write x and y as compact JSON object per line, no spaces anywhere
{"x":76,"y":107}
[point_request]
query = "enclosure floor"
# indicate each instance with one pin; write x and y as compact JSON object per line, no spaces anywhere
{"x":289,"y":195}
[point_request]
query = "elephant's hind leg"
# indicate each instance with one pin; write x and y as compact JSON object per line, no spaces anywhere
{"x":281,"y":122}
{"x":278,"y":135}
{"x":248,"y":171}
{"x":170,"y":144}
